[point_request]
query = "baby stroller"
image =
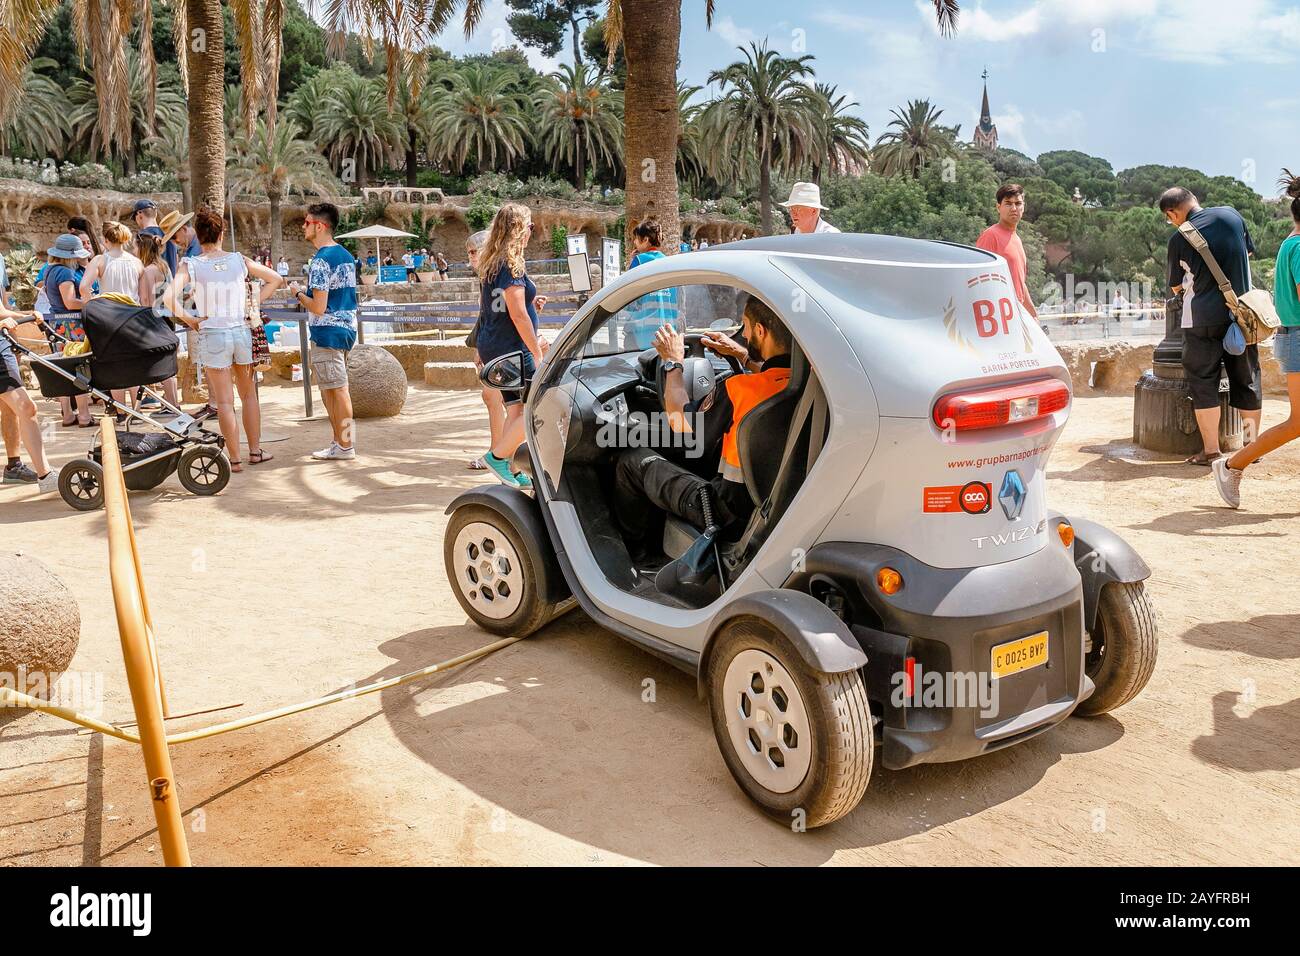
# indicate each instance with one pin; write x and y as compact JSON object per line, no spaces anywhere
{"x":131,"y":347}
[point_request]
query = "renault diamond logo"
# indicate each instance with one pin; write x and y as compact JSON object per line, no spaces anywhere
{"x":1012,"y":495}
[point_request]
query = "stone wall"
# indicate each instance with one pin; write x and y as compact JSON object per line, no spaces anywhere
{"x":1112,"y":367}
{"x":33,"y":214}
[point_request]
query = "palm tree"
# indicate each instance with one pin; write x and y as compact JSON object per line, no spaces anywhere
{"x":845,"y":143}
{"x":766,"y":111}
{"x":36,"y":127}
{"x":691,"y":147}
{"x":150,"y":106}
{"x":170,"y":146}
{"x":414,"y":109}
{"x":579,"y":120}
{"x":357,"y":129}
{"x":915,"y":139}
{"x":276,"y":160}
{"x":482,"y":115}
{"x":305,"y":103}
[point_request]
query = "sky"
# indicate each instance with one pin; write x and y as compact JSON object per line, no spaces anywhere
{"x":1210,"y":84}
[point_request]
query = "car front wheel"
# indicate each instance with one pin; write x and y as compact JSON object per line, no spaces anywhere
{"x":798,"y":741}
{"x":493,"y":574}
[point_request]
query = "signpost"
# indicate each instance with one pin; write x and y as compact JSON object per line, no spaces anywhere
{"x":611,"y":259}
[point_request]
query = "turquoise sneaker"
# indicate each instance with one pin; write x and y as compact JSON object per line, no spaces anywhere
{"x":501,"y":468}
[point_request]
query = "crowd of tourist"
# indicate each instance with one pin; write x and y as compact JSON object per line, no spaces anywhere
{"x":179,"y":262}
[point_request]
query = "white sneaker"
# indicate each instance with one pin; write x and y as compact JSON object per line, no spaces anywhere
{"x":1228,"y":481}
{"x":49,"y":483}
{"x":335,"y":452}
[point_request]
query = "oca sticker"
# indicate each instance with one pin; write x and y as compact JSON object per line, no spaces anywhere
{"x":972,"y":498}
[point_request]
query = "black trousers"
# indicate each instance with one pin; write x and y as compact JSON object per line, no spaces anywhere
{"x":1204,"y":356}
{"x":646,"y":484}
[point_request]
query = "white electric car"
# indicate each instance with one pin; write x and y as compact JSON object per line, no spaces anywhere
{"x":901,"y":584}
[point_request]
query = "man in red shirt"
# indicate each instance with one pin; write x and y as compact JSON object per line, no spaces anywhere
{"x":1001,"y":239}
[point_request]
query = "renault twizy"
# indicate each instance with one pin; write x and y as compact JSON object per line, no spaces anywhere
{"x":901,"y":583}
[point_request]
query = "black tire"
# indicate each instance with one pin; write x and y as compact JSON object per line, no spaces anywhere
{"x":1124,"y":646}
{"x":481,"y":598}
{"x":81,"y":484}
{"x":203,"y":470}
{"x":838,"y":717}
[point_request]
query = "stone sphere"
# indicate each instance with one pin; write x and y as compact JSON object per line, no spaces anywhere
{"x":376,"y":381}
{"x":40,"y":625}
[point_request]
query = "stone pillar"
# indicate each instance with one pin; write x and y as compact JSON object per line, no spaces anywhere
{"x":1163,"y":418}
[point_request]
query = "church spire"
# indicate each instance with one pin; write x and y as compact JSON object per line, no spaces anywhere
{"x":986,"y":134}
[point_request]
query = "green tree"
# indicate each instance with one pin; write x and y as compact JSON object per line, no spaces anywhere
{"x":276,"y":161}
{"x":150,"y":107}
{"x":356,"y":128}
{"x":1071,"y":169}
{"x":545,"y":25}
{"x":915,"y":139}
{"x":579,"y":121}
{"x":37,"y":126}
{"x":845,"y":140}
{"x":169,"y":147}
{"x":482,"y":115}
{"x":765,"y":113}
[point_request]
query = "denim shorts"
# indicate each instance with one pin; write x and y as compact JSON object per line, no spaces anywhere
{"x":1286,"y":348}
{"x":220,"y":348}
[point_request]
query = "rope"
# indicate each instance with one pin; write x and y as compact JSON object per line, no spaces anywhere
{"x":15,"y":699}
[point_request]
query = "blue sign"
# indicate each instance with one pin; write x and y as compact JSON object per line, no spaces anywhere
{"x":392,"y":273}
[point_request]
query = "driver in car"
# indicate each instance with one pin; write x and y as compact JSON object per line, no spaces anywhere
{"x":645,"y":480}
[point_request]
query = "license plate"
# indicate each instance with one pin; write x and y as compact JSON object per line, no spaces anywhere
{"x":1019,"y":655}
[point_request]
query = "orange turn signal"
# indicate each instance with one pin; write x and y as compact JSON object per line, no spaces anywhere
{"x":1066,"y":531}
{"x":889,"y":581}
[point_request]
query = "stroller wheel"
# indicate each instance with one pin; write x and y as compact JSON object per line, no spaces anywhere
{"x":81,"y":484}
{"x":203,"y":470}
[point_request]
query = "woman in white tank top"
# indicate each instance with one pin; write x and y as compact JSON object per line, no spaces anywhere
{"x":218,"y":282}
{"x":116,"y":269}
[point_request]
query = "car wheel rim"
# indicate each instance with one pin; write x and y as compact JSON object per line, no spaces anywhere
{"x":488,"y":570}
{"x":767,"y":721}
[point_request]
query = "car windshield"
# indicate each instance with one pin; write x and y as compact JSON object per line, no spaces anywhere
{"x":690,"y":308}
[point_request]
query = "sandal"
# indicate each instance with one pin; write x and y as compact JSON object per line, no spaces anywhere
{"x":478,"y":464}
{"x":71,"y":424}
{"x":257,"y":457}
{"x":89,"y":424}
{"x":1202,"y":459}
{"x":236,"y":465}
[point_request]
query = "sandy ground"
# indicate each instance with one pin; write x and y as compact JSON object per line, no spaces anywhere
{"x":304,"y":577}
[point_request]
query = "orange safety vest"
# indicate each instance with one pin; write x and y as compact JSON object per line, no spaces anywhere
{"x":745,"y":392}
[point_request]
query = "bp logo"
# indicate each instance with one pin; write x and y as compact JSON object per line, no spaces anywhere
{"x":1012,"y":495}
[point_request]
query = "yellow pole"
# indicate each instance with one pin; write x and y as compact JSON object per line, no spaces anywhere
{"x":146,"y":697}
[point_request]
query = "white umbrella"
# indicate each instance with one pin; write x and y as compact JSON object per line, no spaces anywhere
{"x":376,"y":233}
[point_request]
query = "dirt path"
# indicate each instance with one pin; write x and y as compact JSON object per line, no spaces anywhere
{"x":304,"y":577}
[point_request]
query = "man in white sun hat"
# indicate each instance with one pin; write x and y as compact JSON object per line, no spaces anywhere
{"x":805,"y":208}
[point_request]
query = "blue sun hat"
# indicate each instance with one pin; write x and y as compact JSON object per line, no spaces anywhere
{"x":67,"y":246}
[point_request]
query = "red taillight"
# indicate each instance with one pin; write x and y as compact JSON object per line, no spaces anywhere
{"x":1002,"y":405}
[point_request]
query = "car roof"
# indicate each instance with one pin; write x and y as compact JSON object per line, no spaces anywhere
{"x":866,"y":247}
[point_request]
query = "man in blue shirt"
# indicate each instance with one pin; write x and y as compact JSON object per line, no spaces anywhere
{"x":1229,"y":241}
{"x":331,"y":303}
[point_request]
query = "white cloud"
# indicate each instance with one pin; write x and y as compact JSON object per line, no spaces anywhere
{"x":1011,"y":128}
{"x":1202,"y":31}
{"x":732,"y":34}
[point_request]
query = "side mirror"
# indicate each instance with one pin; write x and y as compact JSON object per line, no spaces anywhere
{"x":504,"y":373}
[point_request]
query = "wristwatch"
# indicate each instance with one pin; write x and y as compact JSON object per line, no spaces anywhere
{"x":670,"y":365}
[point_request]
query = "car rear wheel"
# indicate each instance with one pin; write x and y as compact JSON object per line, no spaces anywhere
{"x":799,"y":742}
{"x":493,"y":575}
{"x":1123,"y":649}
